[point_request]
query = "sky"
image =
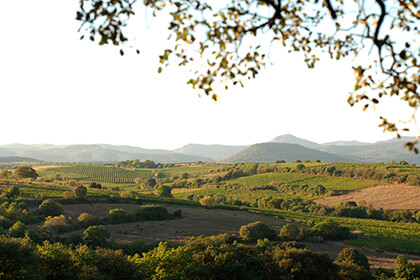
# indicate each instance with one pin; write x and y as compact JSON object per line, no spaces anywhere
{"x":57,"y":89}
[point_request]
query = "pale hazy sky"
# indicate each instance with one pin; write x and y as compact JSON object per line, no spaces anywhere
{"x":57,"y":89}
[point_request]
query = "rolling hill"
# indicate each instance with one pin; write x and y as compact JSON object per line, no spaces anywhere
{"x":97,"y":153}
{"x":271,"y":152}
{"x":216,"y":152}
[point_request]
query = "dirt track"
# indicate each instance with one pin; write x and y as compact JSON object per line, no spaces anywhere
{"x":390,"y":197}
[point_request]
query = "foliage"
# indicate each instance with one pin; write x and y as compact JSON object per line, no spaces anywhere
{"x":331,"y":230}
{"x":96,"y":235}
{"x":17,"y":230}
{"x":208,"y":201}
{"x":164,"y":191}
{"x":87,"y":219}
{"x":405,"y":270}
{"x":290,"y":232}
{"x":117,"y":216}
{"x":151,"y":212}
{"x":113,"y":264}
{"x":19,"y":259}
{"x":353,"y":265}
{"x":151,"y":182}
{"x":256,"y":230}
{"x":26,"y":172}
{"x":295,"y":263}
{"x":49,"y":207}
{"x":12,"y":192}
{"x":223,"y":36}
{"x":139,"y":164}
{"x":58,"y":261}
{"x":80,"y":192}
{"x":57,"y":223}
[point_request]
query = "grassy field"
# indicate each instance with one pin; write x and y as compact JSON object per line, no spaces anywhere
{"x":329,"y":182}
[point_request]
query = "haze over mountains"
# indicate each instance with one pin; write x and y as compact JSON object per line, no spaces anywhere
{"x":286,"y":147}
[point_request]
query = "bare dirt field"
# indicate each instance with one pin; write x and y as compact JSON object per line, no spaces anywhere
{"x":196,"y":221}
{"x":201,"y":221}
{"x":45,"y":167}
{"x":390,"y":197}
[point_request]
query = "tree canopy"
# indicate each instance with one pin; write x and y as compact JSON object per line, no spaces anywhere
{"x":383,"y":34}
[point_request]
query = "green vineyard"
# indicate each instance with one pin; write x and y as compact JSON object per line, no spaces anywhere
{"x":102,"y":173}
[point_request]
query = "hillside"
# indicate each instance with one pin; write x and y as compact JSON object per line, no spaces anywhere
{"x":379,"y":152}
{"x":271,"y":152}
{"x":18,"y":159}
{"x":291,"y":139}
{"x":216,"y":152}
{"x":98,"y":153}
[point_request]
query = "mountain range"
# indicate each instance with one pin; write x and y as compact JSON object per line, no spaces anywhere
{"x":286,"y":147}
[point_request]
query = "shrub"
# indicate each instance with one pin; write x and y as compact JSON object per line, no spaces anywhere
{"x":257,"y":230}
{"x":95,"y":185}
{"x":164,"y":191}
{"x":208,"y":201}
{"x":87,"y":219}
{"x":26,"y":172}
{"x":69,"y":195}
{"x":80,"y":192}
{"x":406,"y":270}
{"x":17,"y":230}
{"x":125,"y":194}
{"x":57,"y":223}
{"x":151,"y":212}
{"x":117,"y":216}
{"x":12,"y":192}
{"x":5,"y":222}
{"x":96,"y":236}
{"x":290,"y":232}
{"x":19,"y":259}
{"x":330,"y":229}
{"x":50,"y":208}
{"x":352,"y":256}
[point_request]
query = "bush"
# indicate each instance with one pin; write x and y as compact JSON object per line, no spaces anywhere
{"x":352,"y":256}
{"x":151,"y":213}
{"x":87,"y":219}
{"x":290,"y":232}
{"x":208,"y":201}
{"x":17,"y":230}
{"x":19,"y":259}
{"x":117,"y":216}
{"x":331,"y":230}
{"x":406,"y":270}
{"x":26,"y":172}
{"x":50,"y":208}
{"x":164,"y":191}
{"x":57,"y":223}
{"x":96,"y":236}
{"x":80,"y":192}
{"x":95,"y":185}
{"x":12,"y":192}
{"x":257,"y":230}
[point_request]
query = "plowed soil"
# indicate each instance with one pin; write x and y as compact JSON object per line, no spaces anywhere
{"x":390,"y":197}
{"x":198,"y":221}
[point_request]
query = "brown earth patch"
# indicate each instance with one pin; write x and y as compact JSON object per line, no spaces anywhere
{"x":198,"y":221}
{"x":390,"y":197}
{"x":45,"y":167}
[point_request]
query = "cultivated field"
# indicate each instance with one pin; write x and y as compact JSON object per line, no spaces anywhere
{"x":390,"y":197}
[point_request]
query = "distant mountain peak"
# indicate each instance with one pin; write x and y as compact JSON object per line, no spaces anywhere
{"x":291,"y":139}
